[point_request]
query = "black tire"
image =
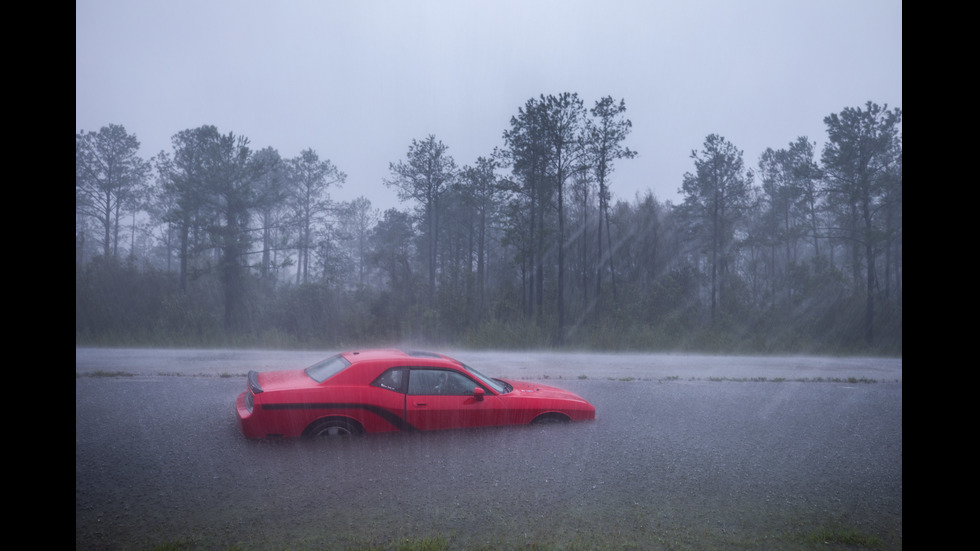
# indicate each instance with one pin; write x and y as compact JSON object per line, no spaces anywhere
{"x":333,"y":429}
{"x":550,"y":419}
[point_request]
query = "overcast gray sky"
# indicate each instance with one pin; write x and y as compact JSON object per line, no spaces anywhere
{"x":356,"y":81}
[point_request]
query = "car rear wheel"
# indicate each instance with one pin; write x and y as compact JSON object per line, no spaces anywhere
{"x":332,"y":429}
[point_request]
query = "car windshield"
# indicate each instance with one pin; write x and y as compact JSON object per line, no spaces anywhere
{"x":497,"y":385}
{"x":329,"y":367}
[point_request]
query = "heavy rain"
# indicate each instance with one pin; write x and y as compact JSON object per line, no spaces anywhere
{"x":690,"y":215}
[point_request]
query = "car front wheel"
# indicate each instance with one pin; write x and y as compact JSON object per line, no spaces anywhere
{"x":333,"y":429}
{"x":550,"y":419}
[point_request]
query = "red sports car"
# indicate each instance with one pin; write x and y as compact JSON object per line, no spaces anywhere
{"x":391,"y":390}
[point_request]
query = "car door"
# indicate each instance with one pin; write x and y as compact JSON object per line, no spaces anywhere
{"x":444,"y":399}
{"x":387,"y":400}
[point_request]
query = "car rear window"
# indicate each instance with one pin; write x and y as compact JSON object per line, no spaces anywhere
{"x":329,"y":367}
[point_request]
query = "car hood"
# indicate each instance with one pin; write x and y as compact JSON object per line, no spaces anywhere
{"x":289,"y":379}
{"x":542,"y":391}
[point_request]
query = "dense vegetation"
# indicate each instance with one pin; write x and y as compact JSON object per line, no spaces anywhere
{"x":215,"y":244}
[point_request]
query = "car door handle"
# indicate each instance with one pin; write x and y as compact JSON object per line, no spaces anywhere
{"x":421,"y":404}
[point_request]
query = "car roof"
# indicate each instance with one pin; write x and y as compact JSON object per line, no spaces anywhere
{"x":389,"y":354}
{"x":368,"y":364}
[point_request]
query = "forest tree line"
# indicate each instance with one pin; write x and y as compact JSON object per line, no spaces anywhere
{"x":214,"y":243}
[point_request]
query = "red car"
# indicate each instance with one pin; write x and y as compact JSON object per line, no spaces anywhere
{"x":390,"y":390}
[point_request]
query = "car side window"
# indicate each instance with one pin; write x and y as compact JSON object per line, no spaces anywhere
{"x":439,"y":382}
{"x":393,"y":379}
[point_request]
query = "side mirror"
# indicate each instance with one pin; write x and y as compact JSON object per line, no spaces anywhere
{"x":478,"y":394}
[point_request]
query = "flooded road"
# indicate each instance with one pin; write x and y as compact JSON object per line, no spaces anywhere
{"x":686,"y":451}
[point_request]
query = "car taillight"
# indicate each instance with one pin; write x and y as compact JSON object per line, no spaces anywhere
{"x":249,"y":401}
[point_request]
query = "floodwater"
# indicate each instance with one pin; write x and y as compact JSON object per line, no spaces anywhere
{"x":686,"y":452}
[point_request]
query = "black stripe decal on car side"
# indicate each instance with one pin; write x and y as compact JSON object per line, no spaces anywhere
{"x":395,"y":420}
